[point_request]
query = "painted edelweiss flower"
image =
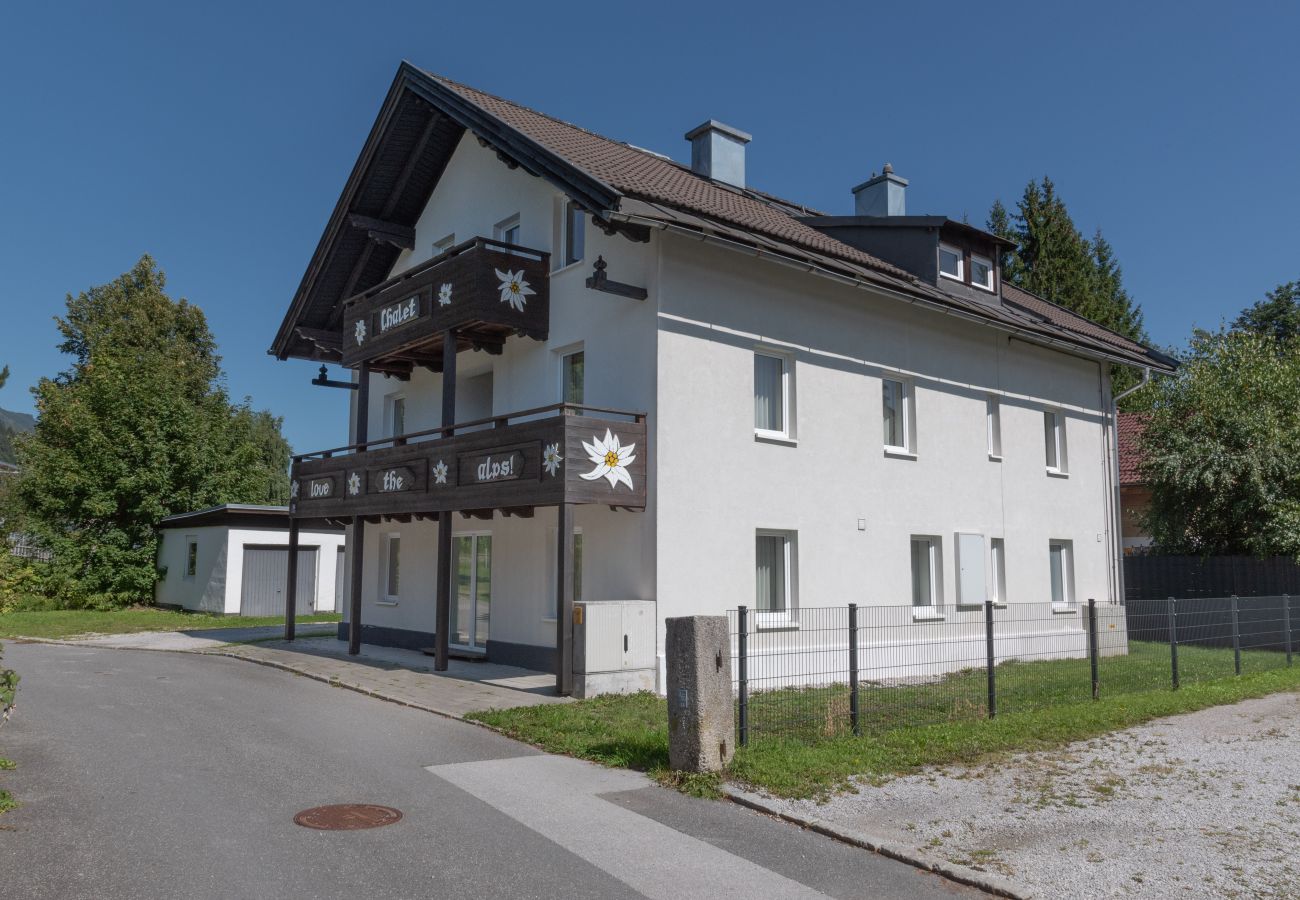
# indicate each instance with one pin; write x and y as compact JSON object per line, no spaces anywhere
{"x":293,"y":491}
{"x":440,"y":473}
{"x":354,"y":484}
{"x":361,"y":331}
{"x":611,"y":460}
{"x":551,"y":459}
{"x":514,"y":288}
{"x":444,"y":294}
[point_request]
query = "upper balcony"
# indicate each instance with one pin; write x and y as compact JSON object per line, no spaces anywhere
{"x":513,"y":462}
{"x":482,"y":289}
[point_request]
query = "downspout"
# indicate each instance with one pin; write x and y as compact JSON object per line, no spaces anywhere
{"x":1117,"y":525}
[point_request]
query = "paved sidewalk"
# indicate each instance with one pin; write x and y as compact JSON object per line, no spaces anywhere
{"x":404,"y":676}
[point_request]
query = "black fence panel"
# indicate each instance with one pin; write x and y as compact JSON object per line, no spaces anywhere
{"x":1159,"y":577}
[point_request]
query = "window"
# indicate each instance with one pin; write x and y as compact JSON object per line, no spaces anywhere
{"x":1054,"y":441}
{"x":998,"y":564}
{"x":573,"y":377}
{"x":773,"y":572}
{"x":575,"y":232}
{"x":507,"y":230}
{"x":442,"y":246}
{"x":771,"y":394}
{"x":925,"y":574}
{"x":993,"y":417}
{"x":896,"y":406}
{"x":1062,"y":573}
{"x":395,"y":414}
{"x":391,"y":568}
{"x":950,"y":262}
{"x":981,"y":272}
{"x":191,"y":556}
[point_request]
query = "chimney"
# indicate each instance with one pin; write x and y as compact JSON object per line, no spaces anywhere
{"x":881,"y":195}
{"x":718,"y":152}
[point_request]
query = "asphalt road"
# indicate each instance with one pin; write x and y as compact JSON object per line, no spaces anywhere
{"x":159,"y":775}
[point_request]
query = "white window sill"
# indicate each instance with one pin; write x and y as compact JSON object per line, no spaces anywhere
{"x":567,"y":266}
{"x":1065,"y":611}
{"x":1057,"y":473}
{"x":549,"y":620}
{"x":385,"y":603}
{"x":928,"y":616}
{"x":773,"y":437}
{"x":995,"y":457}
{"x":774,"y":622}
{"x":899,"y":453}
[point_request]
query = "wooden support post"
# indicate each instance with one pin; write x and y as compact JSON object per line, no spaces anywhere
{"x":442,"y":612}
{"x":291,"y":589}
{"x":358,"y":524}
{"x":564,"y":598}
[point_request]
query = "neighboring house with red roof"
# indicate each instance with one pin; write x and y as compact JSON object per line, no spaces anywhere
{"x":1134,"y":494}
{"x":675,"y":394}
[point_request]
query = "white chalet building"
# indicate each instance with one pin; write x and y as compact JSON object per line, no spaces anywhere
{"x":766,"y":406}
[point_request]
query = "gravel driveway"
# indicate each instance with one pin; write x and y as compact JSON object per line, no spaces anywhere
{"x":1204,"y":804}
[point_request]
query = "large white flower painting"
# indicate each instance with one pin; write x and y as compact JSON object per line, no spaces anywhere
{"x":611,"y":460}
{"x":440,"y":473}
{"x":360,"y":332}
{"x":354,"y":484}
{"x":514,"y":288}
{"x":444,"y":294}
{"x":551,"y":459}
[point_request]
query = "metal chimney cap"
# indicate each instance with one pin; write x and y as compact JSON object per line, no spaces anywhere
{"x":721,"y":128}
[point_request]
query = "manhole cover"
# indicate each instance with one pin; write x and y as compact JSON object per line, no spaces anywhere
{"x":347,"y":817}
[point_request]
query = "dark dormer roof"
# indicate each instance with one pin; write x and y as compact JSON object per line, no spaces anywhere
{"x":424,"y":117}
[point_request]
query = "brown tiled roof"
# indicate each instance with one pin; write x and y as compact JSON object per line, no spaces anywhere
{"x":1067,"y":319}
{"x":647,"y":176}
{"x":1130,"y":427}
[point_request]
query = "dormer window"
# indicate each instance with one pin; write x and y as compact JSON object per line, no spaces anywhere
{"x":981,"y":272}
{"x":950,"y":262}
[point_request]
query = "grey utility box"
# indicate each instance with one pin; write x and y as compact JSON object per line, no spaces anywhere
{"x":700,"y":710}
{"x":613,"y":647}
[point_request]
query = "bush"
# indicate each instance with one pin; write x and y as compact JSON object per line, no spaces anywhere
{"x":8,"y":688}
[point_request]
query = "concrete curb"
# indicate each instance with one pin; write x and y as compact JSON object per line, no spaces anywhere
{"x":991,"y":884}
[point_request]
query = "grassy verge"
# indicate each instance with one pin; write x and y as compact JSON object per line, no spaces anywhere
{"x":65,"y":623}
{"x":631,"y":731}
{"x":7,"y":801}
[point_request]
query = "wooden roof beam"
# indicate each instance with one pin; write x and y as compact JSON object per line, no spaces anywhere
{"x":381,"y":232}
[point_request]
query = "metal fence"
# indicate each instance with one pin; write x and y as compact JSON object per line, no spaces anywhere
{"x":1154,"y":577}
{"x":834,"y":671}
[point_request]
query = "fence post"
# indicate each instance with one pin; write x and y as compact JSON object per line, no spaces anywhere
{"x":1286,"y":625}
{"x":1173,"y":640}
{"x":988,"y":647}
{"x":853,"y":669}
{"x":1236,"y":637}
{"x":742,"y":619}
{"x":1093,"y":651}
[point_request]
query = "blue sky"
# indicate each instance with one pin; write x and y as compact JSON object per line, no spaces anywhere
{"x":217,"y":136}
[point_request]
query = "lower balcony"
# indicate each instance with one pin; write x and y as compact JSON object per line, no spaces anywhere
{"x":561,"y":454}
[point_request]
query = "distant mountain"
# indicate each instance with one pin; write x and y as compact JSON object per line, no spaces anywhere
{"x":12,"y":423}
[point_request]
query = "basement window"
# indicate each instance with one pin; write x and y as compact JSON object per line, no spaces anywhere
{"x":950,"y":262}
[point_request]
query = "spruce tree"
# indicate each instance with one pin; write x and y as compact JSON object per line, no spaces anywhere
{"x":1276,"y":316}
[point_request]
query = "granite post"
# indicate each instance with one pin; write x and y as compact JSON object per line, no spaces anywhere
{"x":700,"y":707}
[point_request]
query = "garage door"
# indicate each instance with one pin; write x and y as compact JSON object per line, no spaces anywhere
{"x":266,"y":574}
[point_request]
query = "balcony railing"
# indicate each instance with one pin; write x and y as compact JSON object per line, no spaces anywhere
{"x":538,"y":457}
{"x":483,"y":289}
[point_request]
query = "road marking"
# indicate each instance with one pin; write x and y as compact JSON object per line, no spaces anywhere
{"x":559,"y":799}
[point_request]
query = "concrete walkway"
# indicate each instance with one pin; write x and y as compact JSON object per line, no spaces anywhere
{"x":404,"y":676}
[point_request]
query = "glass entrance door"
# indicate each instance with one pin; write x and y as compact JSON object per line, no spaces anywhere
{"x":472,"y":605}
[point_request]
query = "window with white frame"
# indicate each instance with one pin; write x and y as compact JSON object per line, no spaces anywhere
{"x":390,"y":568}
{"x":575,"y":233}
{"x":774,"y":579}
{"x":993,"y":424}
{"x":897,"y":413}
{"x":926,"y":594}
{"x":573,"y":376}
{"x":1054,"y":441}
{"x":191,"y":556}
{"x":950,"y":262}
{"x":981,"y":272}
{"x":772,"y":394}
{"x":1061,"y":564}
{"x":395,"y":415}
{"x":442,"y":246}
{"x":998,"y":566}
{"x":507,"y":230}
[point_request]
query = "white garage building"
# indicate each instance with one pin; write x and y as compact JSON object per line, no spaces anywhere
{"x":234,"y":560}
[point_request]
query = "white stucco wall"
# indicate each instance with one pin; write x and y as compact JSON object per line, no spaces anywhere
{"x":217,"y":583}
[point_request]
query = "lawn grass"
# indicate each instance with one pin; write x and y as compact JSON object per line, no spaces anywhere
{"x":64,"y":623}
{"x":1042,"y":706}
{"x":7,"y":801}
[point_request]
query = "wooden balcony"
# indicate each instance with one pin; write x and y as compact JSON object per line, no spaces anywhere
{"x":539,"y":457}
{"x":482,"y":289}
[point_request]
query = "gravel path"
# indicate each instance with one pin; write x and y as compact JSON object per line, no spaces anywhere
{"x":1200,"y":805}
